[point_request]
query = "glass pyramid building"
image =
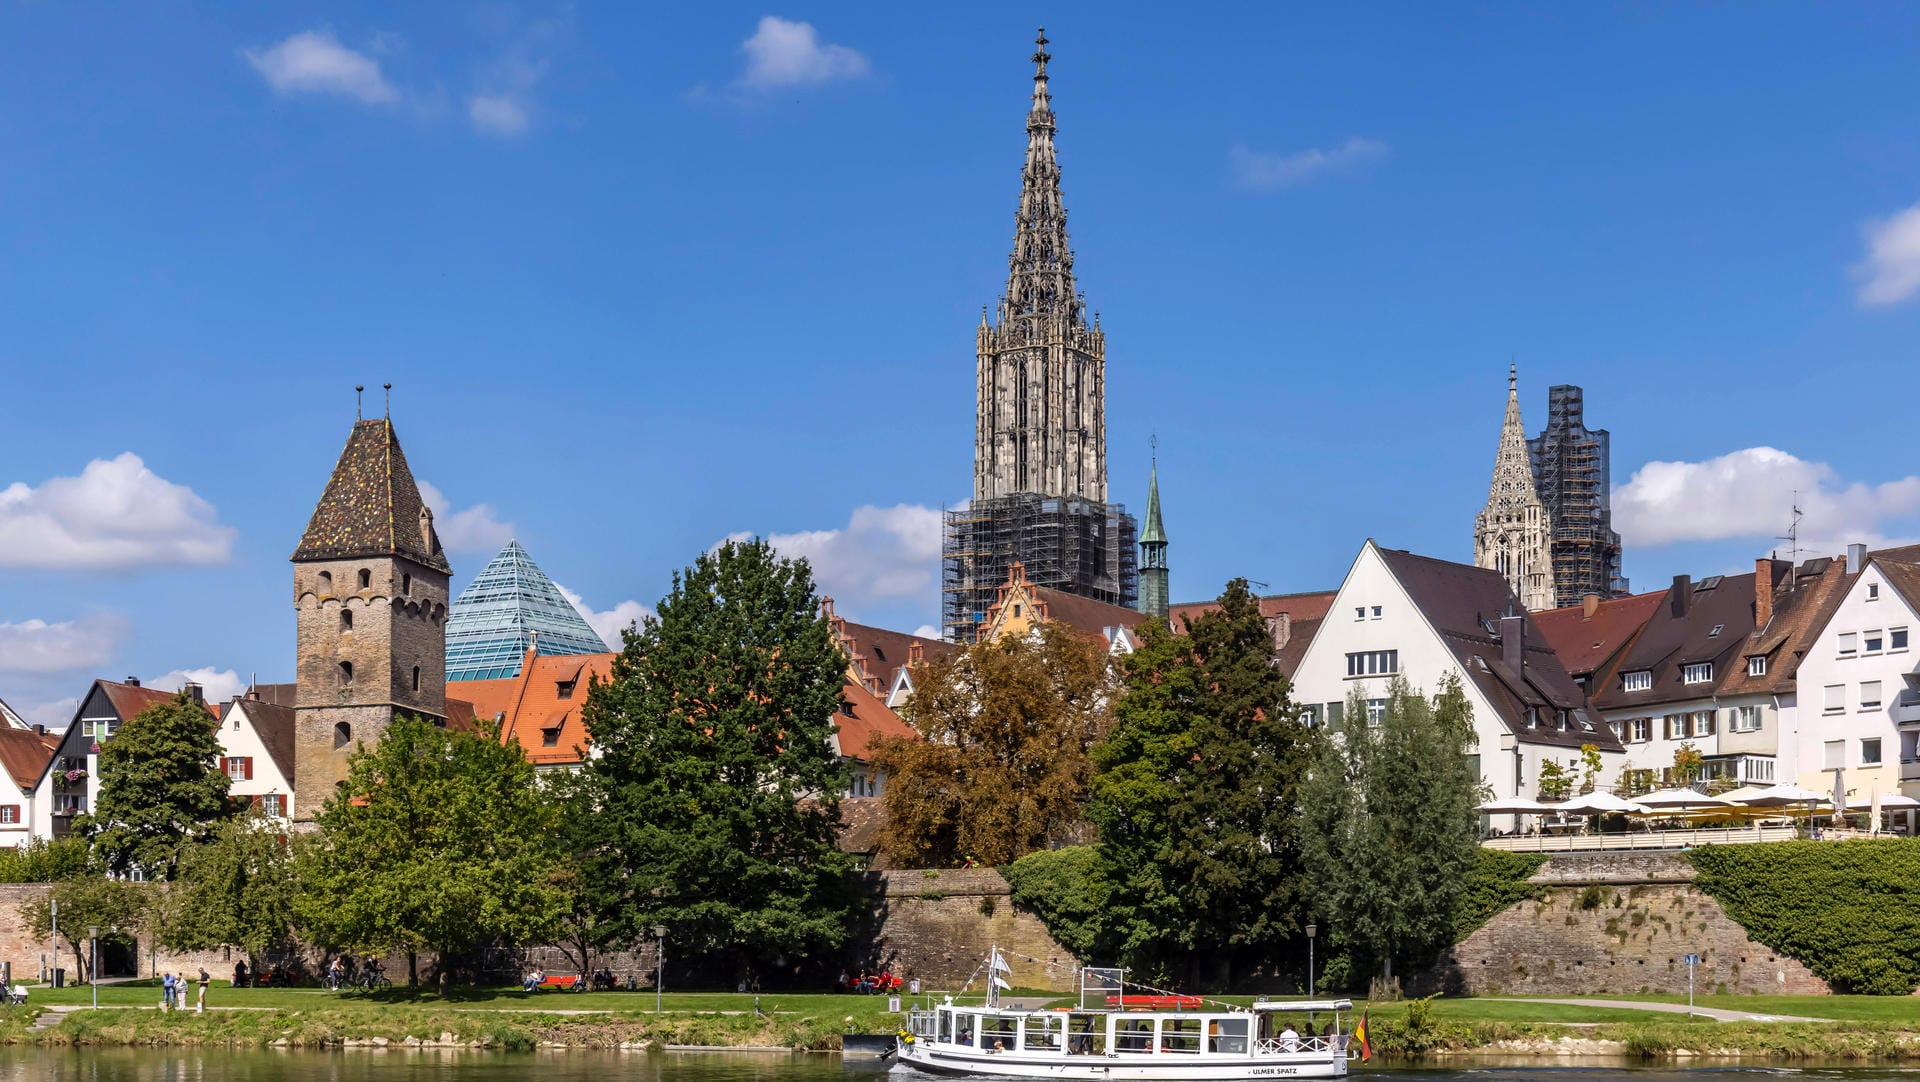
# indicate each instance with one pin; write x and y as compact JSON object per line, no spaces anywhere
{"x":497,"y":616}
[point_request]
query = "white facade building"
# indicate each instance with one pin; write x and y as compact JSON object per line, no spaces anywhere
{"x":1421,"y":619}
{"x":1859,"y":686}
{"x":256,"y":754}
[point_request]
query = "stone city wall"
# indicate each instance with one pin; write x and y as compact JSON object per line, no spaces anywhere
{"x":31,"y":956}
{"x":939,"y":925}
{"x":1614,"y":923}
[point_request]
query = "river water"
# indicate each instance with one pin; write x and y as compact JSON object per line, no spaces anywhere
{"x":169,"y":1065}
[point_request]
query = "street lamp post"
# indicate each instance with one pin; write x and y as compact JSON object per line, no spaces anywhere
{"x":660,"y":963}
{"x":93,"y":964}
{"x":1312,"y":929}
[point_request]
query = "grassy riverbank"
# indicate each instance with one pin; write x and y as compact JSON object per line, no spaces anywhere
{"x":1860,"y":1028}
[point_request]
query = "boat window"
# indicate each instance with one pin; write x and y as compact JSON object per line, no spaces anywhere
{"x":1087,"y":1035}
{"x":963,"y":1030}
{"x":946,"y":1027}
{"x":1042,"y":1034}
{"x":1133,"y":1035}
{"x":1227,"y":1035}
{"x":1180,"y":1034}
{"x":999,"y":1033}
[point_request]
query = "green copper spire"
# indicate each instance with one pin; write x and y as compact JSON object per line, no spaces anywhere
{"x":1154,"y":596}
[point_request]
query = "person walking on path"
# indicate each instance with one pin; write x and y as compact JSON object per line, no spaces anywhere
{"x":201,"y":1007}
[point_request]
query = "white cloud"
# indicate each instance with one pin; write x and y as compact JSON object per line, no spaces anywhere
{"x":1751,"y":494}
{"x":216,"y":685}
{"x":1891,"y":271}
{"x":40,"y":647}
{"x":314,"y":62}
{"x":117,"y":515}
{"x":608,"y":624}
{"x":55,"y":715}
{"x":470,"y":529}
{"x":883,"y":554}
{"x":1267,"y":171}
{"x":497,"y":114}
{"x":927,"y":631}
{"x":782,"y":54}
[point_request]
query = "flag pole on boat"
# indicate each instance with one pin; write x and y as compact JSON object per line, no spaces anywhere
{"x":997,"y":965}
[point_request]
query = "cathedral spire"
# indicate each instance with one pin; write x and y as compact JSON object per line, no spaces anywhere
{"x":1040,"y":284}
{"x":1510,"y":534}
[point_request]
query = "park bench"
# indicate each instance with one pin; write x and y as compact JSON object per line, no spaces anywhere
{"x":565,"y":984}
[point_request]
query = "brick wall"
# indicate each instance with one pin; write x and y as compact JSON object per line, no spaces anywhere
{"x":1614,"y":923}
{"x":29,"y":954}
{"x":939,"y":925}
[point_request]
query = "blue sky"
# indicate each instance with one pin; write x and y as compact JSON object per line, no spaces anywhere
{"x":647,"y":278}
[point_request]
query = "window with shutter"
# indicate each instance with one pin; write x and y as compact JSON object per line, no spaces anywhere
{"x":9,"y":814}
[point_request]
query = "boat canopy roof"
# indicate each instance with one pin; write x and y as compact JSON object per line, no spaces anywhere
{"x":1303,"y":1005}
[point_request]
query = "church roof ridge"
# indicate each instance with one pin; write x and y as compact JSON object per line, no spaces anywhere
{"x":371,"y":505}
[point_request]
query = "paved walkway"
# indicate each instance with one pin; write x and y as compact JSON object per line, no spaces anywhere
{"x":1714,"y":1013}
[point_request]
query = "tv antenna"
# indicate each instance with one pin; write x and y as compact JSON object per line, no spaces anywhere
{"x":1792,"y":538}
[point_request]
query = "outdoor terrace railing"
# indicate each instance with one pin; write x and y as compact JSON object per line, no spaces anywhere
{"x":1639,"y":839}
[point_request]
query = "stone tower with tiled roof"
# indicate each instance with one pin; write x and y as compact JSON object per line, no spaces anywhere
{"x":1512,"y":534}
{"x":1155,"y":596}
{"x":370,"y":596}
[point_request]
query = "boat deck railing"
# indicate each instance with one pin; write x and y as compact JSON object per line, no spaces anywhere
{"x":1273,"y":1046}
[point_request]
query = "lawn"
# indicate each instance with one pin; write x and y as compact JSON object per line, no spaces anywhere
{"x":864,"y":1009}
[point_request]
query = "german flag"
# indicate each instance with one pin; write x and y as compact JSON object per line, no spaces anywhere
{"x":1360,"y":1034}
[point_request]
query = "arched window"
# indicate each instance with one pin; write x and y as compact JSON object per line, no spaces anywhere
{"x":346,"y":674}
{"x":406,"y":585}
{"x":342,"y":736}
{"x":346,"y":619}
{"x":326,"y":582}
{"x":366,"y":578}
{"x":416,"y":678}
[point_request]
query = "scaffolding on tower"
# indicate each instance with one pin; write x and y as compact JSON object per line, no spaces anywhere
{"x":1082,"y":547}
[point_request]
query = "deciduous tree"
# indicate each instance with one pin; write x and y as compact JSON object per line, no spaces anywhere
{"x":90,"y":899}
{"x":240,"y":889}
{"x":1389,"y":812}
{"x":437,"y":841}
{"x":1194,"y":800}
{"x":159,"y":786}
{"x":720,"y":791}
{"x":1002,"y":764}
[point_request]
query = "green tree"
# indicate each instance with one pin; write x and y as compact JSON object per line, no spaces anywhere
{"x":1003,"y":759}
{"x":1687,"y":764}
{"x":437,"y":841}
{"x":1589,"y":766}
{"x":580,"y":862}
{"x":89,"y":899}
{"x":159,"y":786}
{"x":720,"y":790}
{"x":1556,"y":782}
{"x":41,"y":860}
{"x":1194,"y":800}
{"x":1391,"y":823}
{"x":239,"y":889}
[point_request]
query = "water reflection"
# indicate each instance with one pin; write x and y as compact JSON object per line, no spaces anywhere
{"x":170,"y":1065}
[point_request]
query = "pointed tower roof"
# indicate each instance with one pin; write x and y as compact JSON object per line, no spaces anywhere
{"x":1152,"y":533}
{"x":372,"y":506}
{"x":1040,"y":271}
{"x":509,"y":608}
{"x":1512,"y":467}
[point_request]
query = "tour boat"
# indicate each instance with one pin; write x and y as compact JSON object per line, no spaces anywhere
{"x":1159,"y":1038}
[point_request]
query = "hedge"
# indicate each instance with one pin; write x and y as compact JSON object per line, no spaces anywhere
{"x":1849,"y":911}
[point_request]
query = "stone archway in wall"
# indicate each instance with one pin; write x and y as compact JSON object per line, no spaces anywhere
{"x":119,"y":956}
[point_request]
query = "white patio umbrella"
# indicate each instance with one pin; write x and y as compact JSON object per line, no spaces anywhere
{"x":1888,"y":802}
{"x":1682,"y":798}
{"x":1600,"y":804}
{"x":1735,"y":796}
{"x":1514,"y":805}
{"x":1784,"y":796}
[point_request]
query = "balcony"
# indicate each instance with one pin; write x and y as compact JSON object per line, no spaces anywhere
{"x":1910,"y":769}
{"x":1906,"y":707}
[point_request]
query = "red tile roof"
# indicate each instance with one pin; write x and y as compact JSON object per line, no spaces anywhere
{"x":547,"y":725}
{"x":1086,"y":615}
{"x":128,"y":699}
{"x":862,"y":719}
{"x":24,"y":755}
{"x":1585,"y":643}
{"x":1304,"y":606}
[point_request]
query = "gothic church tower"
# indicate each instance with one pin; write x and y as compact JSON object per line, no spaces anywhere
{"x":1511,"y":534}
{"x":370,"y":597}
{"x":1041,"y":414}
{"x":1155,"y":595}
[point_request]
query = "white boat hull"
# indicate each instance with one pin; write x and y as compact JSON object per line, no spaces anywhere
{"x":920,"y":1056}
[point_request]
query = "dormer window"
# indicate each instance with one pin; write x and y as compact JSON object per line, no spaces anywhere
{"x":1757,"y":665}
{"x":550,"y":738}
{"x":1560,"y":719}
{"x":1533,"y":717}
{"x":846,"y":708}
{"x":1637,"y":681}
{"x":1698,"y":672}
{"x":563,"y":689}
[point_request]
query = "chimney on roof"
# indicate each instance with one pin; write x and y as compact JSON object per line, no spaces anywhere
{"x":193,"y":692}
{"x":1763,"y":592}
{"x":1589,"y":605}
{"x":1513,"y":641}
{"x":132,"y":681}
{"x":1856,"y":558}
{"x":1680,"y":595}
{"x":40,"y":730}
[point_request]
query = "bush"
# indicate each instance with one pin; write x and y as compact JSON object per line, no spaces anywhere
{"x":1850,"y":911}
{"x":1056,"y":886}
